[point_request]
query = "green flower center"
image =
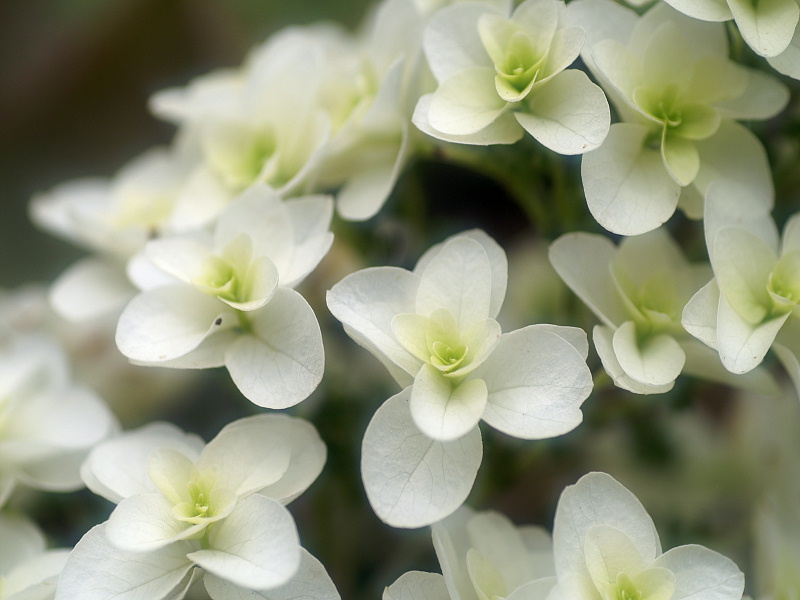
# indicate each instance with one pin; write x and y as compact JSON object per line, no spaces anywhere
{"x":625,"y":589}
{"x":219,"y":279}
{"x":199,"y":505}
{"x":784,"y":281}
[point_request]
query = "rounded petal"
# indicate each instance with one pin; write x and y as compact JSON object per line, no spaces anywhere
{"x":367,"y":301}
{"x":627,"y":188}
{"x":705,"y":10}
{"x":255,"y":547}
{"x":168,"y":322}
{"x":766,"y":26}
{"x":306,"y":452}
{"x":443,"y":412}
{"x":599,"y":499}
{"x":410,"y":479}
{"x":504,"y":130}
{"x":583,"y":261}
{"x":89,"y":289}
{"x":537,"y":382}
{"x":466,"y":102}
{"x":764,"y":97}
{"x":311,"y":581}
{"x":281,"y":361}
{"x":145,"y":522}
{"x":117,"y":468}
{"x":459,"y":279}
{"x":702,"y":574}
{"x":700,"y":314}
{"x":569,"y":114}
{"x":603,"y":343}
{"x":97,"y":570}
{"x":452,"y":42}
{"x":416,"y":585}
{"x":28,"y":541}
{"x":654,"y":361}
{"x":249,"y":454}
{"x":788,"y":61}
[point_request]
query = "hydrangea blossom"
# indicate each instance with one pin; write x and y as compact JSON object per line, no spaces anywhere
{"x":232,"y":301}
{"x":501,"y":73}
{"x":27,"y":569}
{"x":677,"y":92}
{"x":756,"y":287}
{"x":482,"y":555}
{"x":434,"y":328}
{"x":47,"y":423}
{"x":187,"y":509}
{"x":606,"y":546}
{"x":769,"y":28}
{"x":638,"y":291}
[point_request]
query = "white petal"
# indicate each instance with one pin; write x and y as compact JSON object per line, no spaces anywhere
{"x":451,"y":39}
{"x":416,"y":585}
{"x":790,"y":240}
{"x":495,"y":537}
{"x":601,"y":20}
{"x":458,"y":279}
{"x":367,"y":301}
{"x":410,"y":479}
{"x":705,"y":10}
{"x":768,"y":26}
{"x":35,"y":579}
{"x":610,"y":552}
{"x":249,"y":453}
{"x":734,"y":154}
{"x":498,"y":263}
{"x":255,"y":547}
{"x":704,"y":363}
{"x":466,"y":102}
{"x":90,"y":288}
{"x":583,"y":261}
{"x":538,"y":589}
{"x":764,"y":97}
{"x":742,"y":346}
{"x":598,"y":499}
{"x":627,"y":188}
{"x":167,"y":322}
{"x":575,"y":336}
{"x":603,"y":342}
{"x":504,"y":130}
{"x":117,"y":469}
{"x":656,"y":360}
{"x":145,"y":523}
{"x":788,"y":61}
{"x":182,"y":257}
{"x":537,"y":382}
{"x":444,"y":412}
{"x":306,"y":452}
{"x":96,"y":570}
{"x":311,"y":582}
{"x":569,"y":114}
{"x":28,"y":541}
{"x":451,"y":541}
{"x":700,"y":314}
{"x":702,"y":574}
{"x":281,"y":361}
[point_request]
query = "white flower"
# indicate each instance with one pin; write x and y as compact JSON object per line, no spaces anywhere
{"x":232,"y":302}
{"x":606,"y":546}
{"x":755,"y":292}
{"x":638,"y":290}
{"x":676,"y":92}
{"x":435,"y":328}
{"x":47,"y":423}
{"x":483,"y":556}
{"x":184,"y":505}
{"x":261,"y":123}
{"x":769,"y":28}
{"x":27,"y":569}
{"x":500,"y":73}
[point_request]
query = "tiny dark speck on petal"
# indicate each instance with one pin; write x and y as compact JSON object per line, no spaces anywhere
{"x":218,"y":321}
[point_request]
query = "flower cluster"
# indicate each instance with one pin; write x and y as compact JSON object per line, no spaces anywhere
{"x":261,"y":238}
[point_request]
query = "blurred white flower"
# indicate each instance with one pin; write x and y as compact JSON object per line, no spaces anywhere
{"x":677,"y":94}
{"x":434,"y":329}
{"x":502,"y":73}
{"x":48,"y":424}
{"x":27,"y":569}
{"x":183,"y":504}
{"x":232,"y":302}
{"x":639,"y":290}
{"x":483,"y":556}
{"x":606,"y":546}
